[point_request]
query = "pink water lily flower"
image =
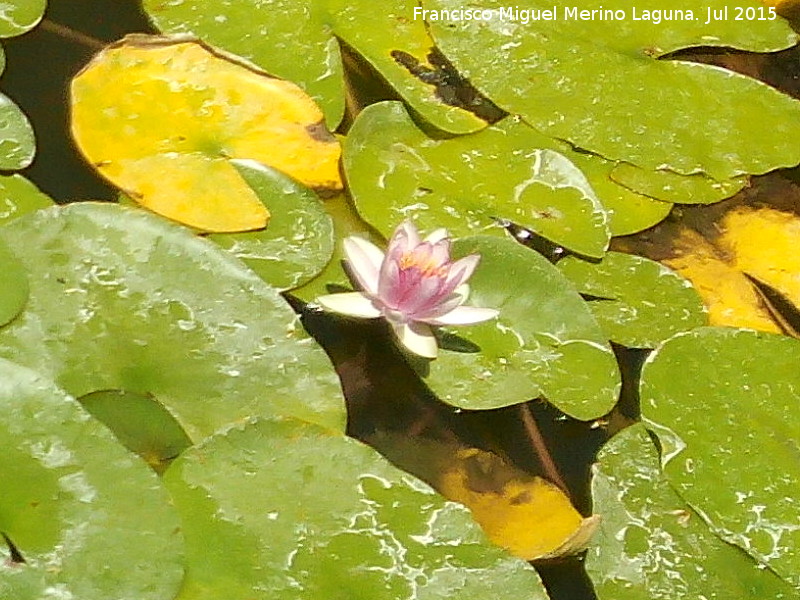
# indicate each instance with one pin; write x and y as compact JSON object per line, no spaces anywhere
{"x":413,"y":286}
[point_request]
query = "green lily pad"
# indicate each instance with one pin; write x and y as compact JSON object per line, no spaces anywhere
{"x":124,"y":300}
{"x":17,"y":144}
{"x":88,"y":518}
{"x":629,"y":211}
{"x":14,"y":286}
{"x":395,"y":171}
{"x":298,"y":241}
{"x":626,"y":211}
{"x":598,"y":84}
{"x":20,"y":16}
{"x":544,"y":342}
{"x":638,"y":302}
{"x":398,"y":46}
{"x":272,"y":34}
{"x":651,"y":546}
{"x":672,"y":187}
{"x":18,"y":197}
{"x":140,"y":423}
{"x":274,"y":508}
{"x":727,"y":403}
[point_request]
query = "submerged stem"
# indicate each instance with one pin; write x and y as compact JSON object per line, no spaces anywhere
{"x":537,"y":441}
{"x":72,"y":34}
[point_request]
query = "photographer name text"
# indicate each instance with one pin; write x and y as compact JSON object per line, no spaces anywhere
{"x":574,"y":13}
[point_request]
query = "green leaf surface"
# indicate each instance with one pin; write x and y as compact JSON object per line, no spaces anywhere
{"x":18,"y":197}
{"x":140,"y":423}
{"x":386,"y":176}
{"x":639,"y":302}
{"x":123,"y":299}
{"x":628,"y":211}
{"x":89,"y":519}
{"x":598,"y":83}
{"x":544,"y":342}
{"x":398,"y":46}
{"x":17,"y":144}
{"x":298,"y":241}
{"x":274,"y":509}
{"x":287,"y":39}
{"x":727,"y":403}
{"x":395,"y":171}
{"x":672,"y":187}
{"x":651,"y":546}
{"x":19,"y":16}
{"x":14,"y":286}
{"x":346,"y":222}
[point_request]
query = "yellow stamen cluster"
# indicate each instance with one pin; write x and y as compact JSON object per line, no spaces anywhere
{"x":424,"y":262}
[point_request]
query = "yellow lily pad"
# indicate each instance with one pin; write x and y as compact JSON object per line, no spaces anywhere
{"x":763,"y":242}
{"x":781,"y":4}
{"x":527,"y":515}
{"x":161,"y":117}
{"x":729,"y":297}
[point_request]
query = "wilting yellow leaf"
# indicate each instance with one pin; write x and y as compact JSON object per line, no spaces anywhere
{"x":761,"y":242}
{"x":161,"y":117}
{"x":779,"y":3}
{"x":729,"y":297}
{"x":527,"y":515}
{"x":765,"y":243}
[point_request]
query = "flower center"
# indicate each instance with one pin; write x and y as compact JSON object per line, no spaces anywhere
{"x":424,"y":263}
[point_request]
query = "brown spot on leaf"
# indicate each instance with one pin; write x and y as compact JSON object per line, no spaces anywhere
{"x":521,"y":498}
{"x":319,"y":133}
{"x":450,"y":86}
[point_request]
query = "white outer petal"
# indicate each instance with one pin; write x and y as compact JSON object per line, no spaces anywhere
{"x":365,"y":260}
{"x":354,"y":304}
{"x":437,"y":236}
{"x":464,"y":315}
{"x":417,"y":337}
{"x":410,"y":231}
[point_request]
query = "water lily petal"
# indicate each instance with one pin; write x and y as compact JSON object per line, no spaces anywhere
{"x":436,"y":236}
{"x":461,"y":270}
{"x":417,"y":337}
{"x":365,"y":260}
{"x":464,"y":315}
{"x":440,"y":253}
{"x":419,"y":256}
{"x":397,"y":247}
{"x":442,"y":307}
{"x":408,"y":233}
{"x":404,"y":239}
{"x":390,"y":284}
{"x":424,"y":297}
{"x":354,"y":304}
